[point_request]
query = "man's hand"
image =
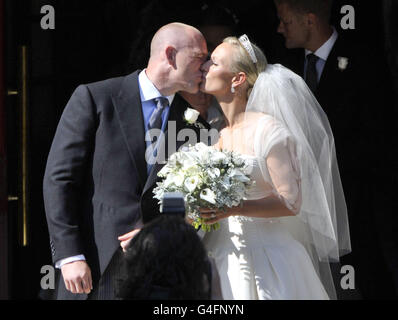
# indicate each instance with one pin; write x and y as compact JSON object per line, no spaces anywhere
{"x":126,"y":238}
{"x":77,"y":277}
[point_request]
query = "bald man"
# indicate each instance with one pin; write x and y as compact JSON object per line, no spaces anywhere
{"x":98,"y":184}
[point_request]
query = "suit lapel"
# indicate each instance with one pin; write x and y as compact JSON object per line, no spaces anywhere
{"x":128,"y":107}
{"x":330,"y":71}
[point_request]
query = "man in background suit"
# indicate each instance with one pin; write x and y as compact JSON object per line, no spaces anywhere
{"x":98,"y":184}
{"x":348,"y":82}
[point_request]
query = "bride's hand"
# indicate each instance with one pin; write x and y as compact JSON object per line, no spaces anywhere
{"x":126,"y":238}
{"x":213,"y":215}
{"x":189,"y":220}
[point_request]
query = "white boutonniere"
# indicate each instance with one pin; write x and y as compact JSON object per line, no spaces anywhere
{"x":191,"y":116}
{"x":343,"y":63}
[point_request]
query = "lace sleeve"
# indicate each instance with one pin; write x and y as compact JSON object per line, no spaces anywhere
{"x":275,"y":148}
{"x":284,"y":175}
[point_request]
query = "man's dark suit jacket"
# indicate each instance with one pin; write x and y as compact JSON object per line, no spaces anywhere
{"x":355,"y":101}
{"x":96,"y":185}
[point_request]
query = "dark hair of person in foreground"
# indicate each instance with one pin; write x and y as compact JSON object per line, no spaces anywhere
{"x":165,"y":260}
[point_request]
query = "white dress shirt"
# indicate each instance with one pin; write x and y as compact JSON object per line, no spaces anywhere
{"x":322,"y":53}
{"x":148,"y":93}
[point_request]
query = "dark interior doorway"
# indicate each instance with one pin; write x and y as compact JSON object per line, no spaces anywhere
{"x":81,"y":49}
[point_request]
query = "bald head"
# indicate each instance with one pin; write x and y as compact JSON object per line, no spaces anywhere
{"x":177,"y":35}
{"x":177,"y":53}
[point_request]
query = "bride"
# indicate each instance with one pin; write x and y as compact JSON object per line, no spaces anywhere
{"x":278,"y":245}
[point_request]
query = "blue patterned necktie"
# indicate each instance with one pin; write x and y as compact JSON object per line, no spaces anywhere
{"x":155,"y":121}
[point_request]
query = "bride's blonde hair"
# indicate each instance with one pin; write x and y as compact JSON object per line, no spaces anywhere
{"x":242,"y":62}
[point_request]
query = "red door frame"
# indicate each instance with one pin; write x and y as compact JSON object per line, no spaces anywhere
{"x":3,"y":181}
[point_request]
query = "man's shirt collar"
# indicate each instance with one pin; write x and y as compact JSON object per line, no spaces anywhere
{"x":324,"y":51}
{"x":148,"y":91}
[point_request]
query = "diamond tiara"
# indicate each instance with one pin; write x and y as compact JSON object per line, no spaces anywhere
{"x":245,"y":42}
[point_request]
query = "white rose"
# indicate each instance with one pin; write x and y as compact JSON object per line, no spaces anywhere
{"x":239,"y":161}
{"x":188,"y":164}
{"x":194,"y":156}
{"x":208,"y":196}
{"x":178,"y":180}
{"x":191,"y":115}
{"x":218,"y":156}
{"x":201,"y":147}
{"x":203,"y":156}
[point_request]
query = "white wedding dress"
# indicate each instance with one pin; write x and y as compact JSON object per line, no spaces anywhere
{"x":258,"y":258}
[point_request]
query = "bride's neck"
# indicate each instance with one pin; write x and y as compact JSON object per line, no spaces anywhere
{"x":233,"y":109}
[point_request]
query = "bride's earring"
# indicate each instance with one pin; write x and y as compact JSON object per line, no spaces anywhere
{"x":232,"y":90}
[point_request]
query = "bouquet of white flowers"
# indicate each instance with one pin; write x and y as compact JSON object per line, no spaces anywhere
{"x":207,"y":177}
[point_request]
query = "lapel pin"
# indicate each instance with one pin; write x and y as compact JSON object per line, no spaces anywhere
{"x":343,"y":63}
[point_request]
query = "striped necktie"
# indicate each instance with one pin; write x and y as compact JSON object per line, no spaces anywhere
{"x":155,"y":121}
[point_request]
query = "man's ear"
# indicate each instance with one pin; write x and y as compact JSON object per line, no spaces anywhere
{"x":239,"y":79}
{"x":171,"y":54}
{"x":311,"y":19}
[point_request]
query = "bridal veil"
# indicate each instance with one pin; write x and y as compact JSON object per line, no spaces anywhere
{"x":321,"y":223}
